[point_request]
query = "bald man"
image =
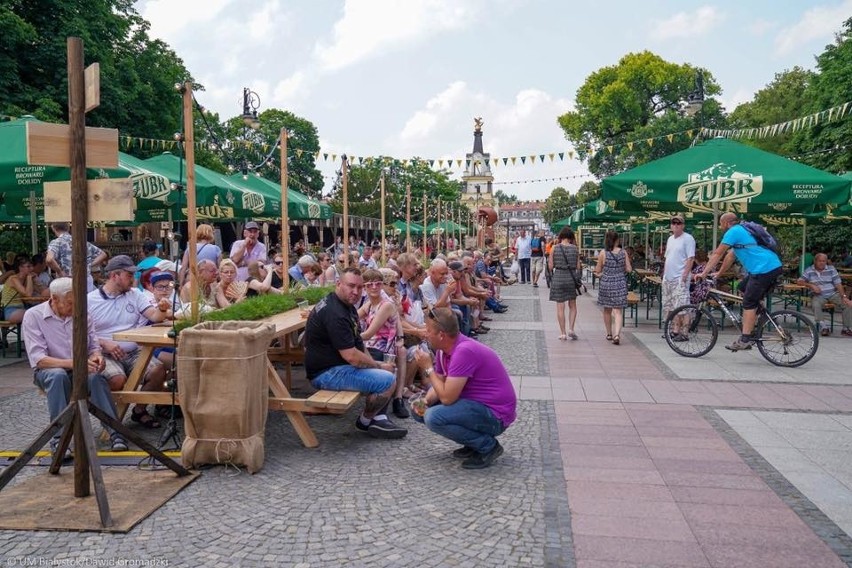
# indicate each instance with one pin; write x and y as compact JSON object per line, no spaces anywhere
{"x":762,"y":264}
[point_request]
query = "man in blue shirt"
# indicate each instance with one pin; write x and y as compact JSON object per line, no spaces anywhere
{"x":763,"y":267}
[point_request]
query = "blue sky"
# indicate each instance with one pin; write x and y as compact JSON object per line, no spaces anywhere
{"x":406,"y":78}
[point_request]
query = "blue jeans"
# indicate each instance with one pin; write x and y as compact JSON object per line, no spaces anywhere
{"x":349,"y":378}
{"x":463,"y":315}
{"x":56,"y":383}
{"x":466,"y":422}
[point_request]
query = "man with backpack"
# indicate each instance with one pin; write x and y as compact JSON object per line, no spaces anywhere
{"x":761,"y":262}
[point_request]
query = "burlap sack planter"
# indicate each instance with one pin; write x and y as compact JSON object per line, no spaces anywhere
{"x":224,"y":392}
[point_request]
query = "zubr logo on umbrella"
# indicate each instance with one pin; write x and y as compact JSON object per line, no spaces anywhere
{"x":718,"y":184}
{"x":147,"y":186}
{"x":254,"y":202}
{"x":639,"y":190}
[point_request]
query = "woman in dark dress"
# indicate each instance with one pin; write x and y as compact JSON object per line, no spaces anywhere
{"x":612,"y":268}
{"x":564,"y":261}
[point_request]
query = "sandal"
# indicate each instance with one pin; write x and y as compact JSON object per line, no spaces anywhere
{"x":616,"y":340}
{"x":608,"y":337}
{"x":572,"y":335}
{"x":563,"y":338}
{"x":144,"y":419}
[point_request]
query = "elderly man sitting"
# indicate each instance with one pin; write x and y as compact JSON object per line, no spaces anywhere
{"x":298,"y":270}
{"x":47,"y":330}
{"x":825,"y":285}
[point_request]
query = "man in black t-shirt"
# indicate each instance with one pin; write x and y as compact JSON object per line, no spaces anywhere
{"x":335,"y":358}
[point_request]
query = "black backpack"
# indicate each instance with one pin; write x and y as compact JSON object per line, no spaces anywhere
{"x":761,"y":235}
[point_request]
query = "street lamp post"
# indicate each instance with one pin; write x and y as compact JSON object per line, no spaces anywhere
{"x":251,"y":102}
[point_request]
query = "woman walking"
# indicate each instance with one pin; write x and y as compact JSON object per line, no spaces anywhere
{"x":613,"y":265}
{"x":564,"y":262}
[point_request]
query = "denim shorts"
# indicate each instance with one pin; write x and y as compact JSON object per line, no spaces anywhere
{"x":349,"y":378}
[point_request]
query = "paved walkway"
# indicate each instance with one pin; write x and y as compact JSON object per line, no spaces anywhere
{"x":622,"y":456}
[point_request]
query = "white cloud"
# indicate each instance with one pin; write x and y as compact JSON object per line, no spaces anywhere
{"x":168,"y":19}
{"x":760,"y":27}
{"x":687,"y":24}
{"x":820,"y":22}
{"x":367,"y":28}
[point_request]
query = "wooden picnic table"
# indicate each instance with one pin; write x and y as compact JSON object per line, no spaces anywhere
{"x":150,"y":338}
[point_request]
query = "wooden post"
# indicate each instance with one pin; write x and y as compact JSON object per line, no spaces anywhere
{"x":345,"y":168}
{"x":384,"y":244}
{"x":408,"y":218}
{"x":440,"y":227}
{"x":189,"y":155}
{"x":79,"y":218}
{"x":425,"y":230}
{"x":285,"y":222}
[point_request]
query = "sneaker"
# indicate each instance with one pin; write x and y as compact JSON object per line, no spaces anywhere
{"x":399,"y":409}
{"x":483,"y":327}
{"x":386,"y":429}
{"x":118,"y":444}
{"x":739,"y":345}
{"x":463,"y":452}
{"x":825,"y":332}
{"x":54,"y":445}
{"x":680,"y":337}
{"x":481,"y":461}
{"x":361,"y":427}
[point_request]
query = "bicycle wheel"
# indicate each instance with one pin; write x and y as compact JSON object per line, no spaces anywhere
{"x":697,"y":331}
{"x":788,"y":339}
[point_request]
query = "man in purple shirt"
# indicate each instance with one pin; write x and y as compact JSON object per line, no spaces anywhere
{"x":47,"y":330}
{"x":472,"y":400}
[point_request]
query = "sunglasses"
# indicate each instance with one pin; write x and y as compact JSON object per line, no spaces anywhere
{"x":375,"y":284}
{"x":677,"y":222}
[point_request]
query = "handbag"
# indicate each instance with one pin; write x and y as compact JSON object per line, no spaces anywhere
{"x":578,"y":283}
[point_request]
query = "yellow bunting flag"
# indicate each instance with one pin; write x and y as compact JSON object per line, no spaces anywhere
{"x":630,"y":145}
{"x":650,"y":142}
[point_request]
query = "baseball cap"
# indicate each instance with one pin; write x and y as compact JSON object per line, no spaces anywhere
{"x":251,"y":225}
{"x":149,"y":246}
{"x":166,"y":265}
{"x":157,"y":276}
{"x":678,"y":218}
{"x":456,"y":266}
{"x":120,"y":262}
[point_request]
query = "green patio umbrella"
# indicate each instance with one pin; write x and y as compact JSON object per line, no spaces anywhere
{"x":401,"y":228}
{"x":723,"y":175}
{"x":299,"y":205}
{"x":217,"y":197}
{"x":447,"y":226}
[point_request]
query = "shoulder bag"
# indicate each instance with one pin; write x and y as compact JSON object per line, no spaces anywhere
{"x":578,"y":283}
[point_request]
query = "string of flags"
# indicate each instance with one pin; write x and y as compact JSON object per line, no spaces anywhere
{"x":829,"y":115}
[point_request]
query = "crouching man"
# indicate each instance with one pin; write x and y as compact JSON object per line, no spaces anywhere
{"x":472,"y":400}
{"x":47,"y":330}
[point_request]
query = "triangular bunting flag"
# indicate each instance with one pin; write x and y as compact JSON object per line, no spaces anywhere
{"x":609,"y":149}
{"x":551,"y":156}
{"x":669,"y":137}
{"x":650,"y":142}
{"x":334,"y":157}
{"x":325,"y":157}
{"x":571,"y":154}
{"x":561,"y":156}
{"x":299,"y":152}
{"x":630,"y":145}
{"x":513,"y":160}
{"x":458,"y":163}
{"x":431,"y":163}
{"x":689,"y":133}
{"x":541,"y":158}
{"x":440,"y":163}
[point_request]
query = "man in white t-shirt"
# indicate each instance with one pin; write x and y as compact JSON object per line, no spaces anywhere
{"x":523,"y":250}
{"x":680,"y":255}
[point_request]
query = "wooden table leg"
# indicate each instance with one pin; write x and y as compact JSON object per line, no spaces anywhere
{"x":297,"y":419}
{"x":135,"y":378}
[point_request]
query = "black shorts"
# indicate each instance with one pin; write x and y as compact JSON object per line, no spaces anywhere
{"x":757,"y":286}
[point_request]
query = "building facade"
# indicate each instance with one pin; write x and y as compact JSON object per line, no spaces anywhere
{"x":525,"y":215}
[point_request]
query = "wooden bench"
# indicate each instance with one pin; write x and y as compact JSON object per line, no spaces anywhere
{"x":633,"y":307}
{"x":9,"y":327}
{"x":321,"y":402}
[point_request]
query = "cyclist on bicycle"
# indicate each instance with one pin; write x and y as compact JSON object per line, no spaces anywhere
{"x":762,"y":264}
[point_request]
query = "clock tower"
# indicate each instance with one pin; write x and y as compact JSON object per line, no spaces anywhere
{"x":477,"y":178}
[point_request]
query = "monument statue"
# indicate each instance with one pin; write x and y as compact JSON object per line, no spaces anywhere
{"x":477,"y":124}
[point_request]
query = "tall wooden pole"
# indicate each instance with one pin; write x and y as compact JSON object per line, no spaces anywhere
{"x":285,"y":222}
{"x":408,"y":218}
{"x":425,"y":230}
{"x":189,"y":154}
{"x":79,"y":218}
{"x":345,"y":170}
{"x":384,"y":244}
{"x":440,"y":227}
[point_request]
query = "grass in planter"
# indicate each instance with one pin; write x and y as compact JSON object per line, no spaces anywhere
{"x":259,"y":307}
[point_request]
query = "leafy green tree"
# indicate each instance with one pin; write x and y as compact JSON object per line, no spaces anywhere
{"x":559,"y":205}
{"x":505,"y":198}
{"x":620,"y":107}
{"x":589,"y":191}
{"x":785,"y":98}
{"x":826,"y":145}
{"x":137,"y":73}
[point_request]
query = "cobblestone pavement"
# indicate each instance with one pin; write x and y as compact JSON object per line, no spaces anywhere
{"x":622,"y":456}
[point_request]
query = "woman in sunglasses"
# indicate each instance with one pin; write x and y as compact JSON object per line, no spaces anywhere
{"x":229,"y":291}
{"x":382,"y":331}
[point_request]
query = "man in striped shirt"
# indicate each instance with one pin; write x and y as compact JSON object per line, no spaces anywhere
{"x":825,"y":284}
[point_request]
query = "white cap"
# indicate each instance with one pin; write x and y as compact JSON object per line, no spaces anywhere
{"x":166,"y":265}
